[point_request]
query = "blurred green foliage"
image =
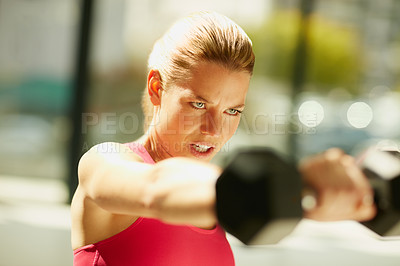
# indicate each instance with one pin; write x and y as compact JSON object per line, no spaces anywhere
{"x":333,"y":53}
{"x":396,"y":60}
{"x":274,"y":45}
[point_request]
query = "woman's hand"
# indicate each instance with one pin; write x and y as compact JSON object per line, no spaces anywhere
{"x":343,"y":192}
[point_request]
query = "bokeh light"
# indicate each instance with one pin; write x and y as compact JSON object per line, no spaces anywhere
{"x":311,"y":113}
{"x":359,"y":115}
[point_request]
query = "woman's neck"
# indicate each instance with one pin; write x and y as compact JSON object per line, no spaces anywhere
{"x":152,"y":143}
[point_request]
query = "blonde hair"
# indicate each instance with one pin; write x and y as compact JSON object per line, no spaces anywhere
{"x":202,"y":36}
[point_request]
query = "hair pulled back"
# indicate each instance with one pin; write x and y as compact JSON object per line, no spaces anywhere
{"x":202,"y":36}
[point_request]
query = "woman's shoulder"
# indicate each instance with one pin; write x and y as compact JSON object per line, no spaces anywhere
{"x":112,"y":152}
{"x":115,"y":149}
{"x":109,"y":148}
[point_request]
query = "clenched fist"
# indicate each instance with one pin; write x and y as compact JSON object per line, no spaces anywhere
{"x":341,"y":190}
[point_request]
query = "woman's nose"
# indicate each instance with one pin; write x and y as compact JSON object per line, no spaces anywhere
{"x":211,"y":124}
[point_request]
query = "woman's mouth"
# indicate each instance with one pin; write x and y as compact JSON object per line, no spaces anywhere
{"x":201,"y":150}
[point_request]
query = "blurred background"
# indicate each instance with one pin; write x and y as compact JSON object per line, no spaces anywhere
{"x":72,"y":73}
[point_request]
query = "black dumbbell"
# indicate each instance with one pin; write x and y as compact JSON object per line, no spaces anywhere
{"x":257,"y":191}
{"x":259,"y":195}
{"x":383,"y":171}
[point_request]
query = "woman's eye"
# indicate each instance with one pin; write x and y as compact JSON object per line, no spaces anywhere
{"x":198,"y":105}
{"x":233,"y":111}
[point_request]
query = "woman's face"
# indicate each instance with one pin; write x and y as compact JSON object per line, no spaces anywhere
{"x":197,"y":118}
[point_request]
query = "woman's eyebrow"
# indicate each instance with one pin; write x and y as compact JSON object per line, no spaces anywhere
{"x":238,"y":107}
{"x":201,"y":99}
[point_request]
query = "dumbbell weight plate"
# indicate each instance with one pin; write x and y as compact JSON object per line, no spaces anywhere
{"x":259,"y":196}
{"x":383,"y":171}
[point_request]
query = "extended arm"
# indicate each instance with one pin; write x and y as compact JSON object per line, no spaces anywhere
{"x":176,"y":190}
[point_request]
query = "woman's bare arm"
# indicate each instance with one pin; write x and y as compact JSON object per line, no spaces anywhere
{"x":176,"y":190}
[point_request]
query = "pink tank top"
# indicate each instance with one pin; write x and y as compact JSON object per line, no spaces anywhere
{"x":150,"y":242}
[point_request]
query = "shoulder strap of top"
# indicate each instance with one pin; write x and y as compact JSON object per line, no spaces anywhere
{"x":140,"y":150}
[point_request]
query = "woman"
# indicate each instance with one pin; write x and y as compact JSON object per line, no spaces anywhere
{"x":152,"y":201}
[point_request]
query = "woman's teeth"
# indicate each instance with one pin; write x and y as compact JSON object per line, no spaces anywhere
{"x":201,"y":148}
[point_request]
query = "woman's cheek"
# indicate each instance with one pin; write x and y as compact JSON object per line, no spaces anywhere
{"x":169,"y":119}
{"x":232,"y":125}
{"x":185,"y":120}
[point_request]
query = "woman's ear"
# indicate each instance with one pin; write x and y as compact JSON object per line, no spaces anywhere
{"x":154,"y":87}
